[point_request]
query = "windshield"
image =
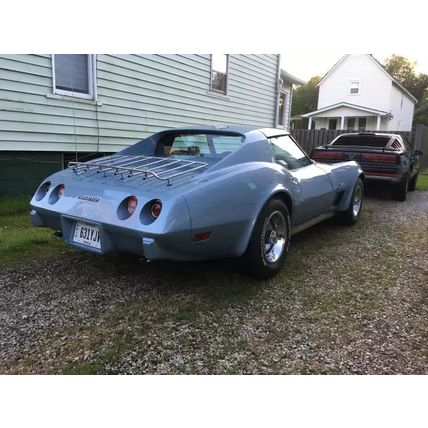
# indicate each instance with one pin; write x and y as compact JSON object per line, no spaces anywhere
{"x":198,"y":145}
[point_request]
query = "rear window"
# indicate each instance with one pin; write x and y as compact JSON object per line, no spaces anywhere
{"x":209,"y":145}
{"x":362,"y":140}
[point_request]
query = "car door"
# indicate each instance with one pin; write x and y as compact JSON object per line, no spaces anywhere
{"x":313,"y":191}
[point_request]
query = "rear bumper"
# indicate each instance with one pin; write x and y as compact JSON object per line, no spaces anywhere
{"x":172,"y":245}
{"x":385,"y":178}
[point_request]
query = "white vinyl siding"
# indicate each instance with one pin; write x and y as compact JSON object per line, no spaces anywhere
{"x":137,"y":95}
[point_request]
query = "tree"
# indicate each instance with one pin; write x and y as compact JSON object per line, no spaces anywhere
{"x":403,"y":71}
{"x":305,"y":99}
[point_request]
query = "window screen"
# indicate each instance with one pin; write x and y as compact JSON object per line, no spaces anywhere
{"x":72,"y":73}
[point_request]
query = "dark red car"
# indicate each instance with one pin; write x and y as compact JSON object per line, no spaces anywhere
{"x":383,"y":157}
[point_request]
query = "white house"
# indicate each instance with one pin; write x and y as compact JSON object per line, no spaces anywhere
{"x":359,"y":94}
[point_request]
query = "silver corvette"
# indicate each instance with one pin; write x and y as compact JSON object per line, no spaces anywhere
{"x":199,"y":193}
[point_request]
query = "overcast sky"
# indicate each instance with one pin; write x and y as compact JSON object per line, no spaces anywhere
{"x":305,"y":65}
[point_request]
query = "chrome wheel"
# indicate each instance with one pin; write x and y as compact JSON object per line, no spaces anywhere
{"x":274,"y":237}
{"x":358,"y":197}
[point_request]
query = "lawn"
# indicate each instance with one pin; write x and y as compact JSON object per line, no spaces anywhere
{"x":422,"y":183}
{"x":19,"y":240}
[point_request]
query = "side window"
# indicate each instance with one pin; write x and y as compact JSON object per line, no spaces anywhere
{"x":286,"y":150}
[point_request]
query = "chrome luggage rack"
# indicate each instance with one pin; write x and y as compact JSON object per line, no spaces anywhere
{"x":131,"y":166}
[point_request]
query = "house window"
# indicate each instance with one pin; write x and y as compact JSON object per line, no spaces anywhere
{"x":362,"y":123}
{"x":332,"y":124}
{"x":74,"y":75}
{"x":219,"y":72}
{"x":355,"y":88}
{"x":351,"y":122}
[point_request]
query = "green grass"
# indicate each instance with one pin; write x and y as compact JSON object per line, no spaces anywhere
{"x":19,"y":240}
{"x":422,"y":183}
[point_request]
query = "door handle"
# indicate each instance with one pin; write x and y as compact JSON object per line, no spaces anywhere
{"x":294,"y":180}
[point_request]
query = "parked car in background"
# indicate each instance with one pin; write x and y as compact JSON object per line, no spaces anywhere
{"x":199,"y":193}
{"x":388,"y":158}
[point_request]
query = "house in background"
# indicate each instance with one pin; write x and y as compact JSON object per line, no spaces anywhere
{"x":359,"y":94}
{"x":286,"y":97}
{"x":56,"y":107}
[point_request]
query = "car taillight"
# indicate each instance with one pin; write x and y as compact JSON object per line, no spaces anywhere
{"x":156,"y":209}
{"x":43,"y":190}
{"x":132,"y":204}
{"x":379,"y":158}
{"x":56,"y":194}
{"x":327,"y":155}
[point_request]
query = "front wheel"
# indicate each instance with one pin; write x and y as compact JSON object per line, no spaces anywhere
{"x":352,"y":214}
{"x":268,"y":246}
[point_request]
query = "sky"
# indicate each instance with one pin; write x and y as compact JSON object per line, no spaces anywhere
{"x":307,"y":65}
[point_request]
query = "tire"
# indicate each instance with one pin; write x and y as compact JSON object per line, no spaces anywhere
{"x":412,"y":183}
{"x":352,"y":214}
{"x":268,"y":247}
{"x":400,"y":191}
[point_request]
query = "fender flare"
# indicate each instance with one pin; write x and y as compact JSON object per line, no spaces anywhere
{"x":277,"y":193}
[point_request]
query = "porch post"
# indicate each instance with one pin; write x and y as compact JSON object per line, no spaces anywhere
{"x":310,"y":122}
{"x":342,"y":122}
{"x":378,"y":123}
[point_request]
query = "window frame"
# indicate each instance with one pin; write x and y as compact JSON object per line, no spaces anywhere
{"x":226,"y":89}
{"x":358,"y":87}
{"x":92,"y":81}
{"x":310,"y":162}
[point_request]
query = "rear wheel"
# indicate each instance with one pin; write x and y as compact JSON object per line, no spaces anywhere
{"x":412,"y":183}
{"x":352,"y":214}
{"x":268,"y":246}
{"x":400,"y":191}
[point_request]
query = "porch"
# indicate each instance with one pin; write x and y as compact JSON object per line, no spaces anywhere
{"x":350,"y":117}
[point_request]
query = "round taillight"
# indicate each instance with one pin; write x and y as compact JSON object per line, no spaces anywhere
{"x":156,"y":209}
{"x":56,"y":193}
{"x":132,"y":204}
{"x":43,"y":190}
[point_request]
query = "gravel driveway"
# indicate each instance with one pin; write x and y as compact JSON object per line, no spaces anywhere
{"x":352,"y":300}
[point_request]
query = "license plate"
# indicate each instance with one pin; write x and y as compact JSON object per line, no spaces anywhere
{"x":87,"y":234}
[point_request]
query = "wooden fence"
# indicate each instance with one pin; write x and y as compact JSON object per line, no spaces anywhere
{"x":310,"y":138}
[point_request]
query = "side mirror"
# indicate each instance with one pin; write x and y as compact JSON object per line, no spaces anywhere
{"x":418,"y":153}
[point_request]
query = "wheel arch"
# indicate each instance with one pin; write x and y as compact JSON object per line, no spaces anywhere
{"x":282,"y":195}
{"x":285,"y":197}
